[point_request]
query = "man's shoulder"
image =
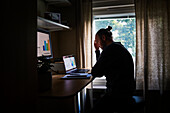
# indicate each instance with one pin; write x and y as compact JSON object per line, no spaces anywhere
{"x":115,"y":46}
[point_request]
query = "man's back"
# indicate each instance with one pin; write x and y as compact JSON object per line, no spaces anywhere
{"x":116,"y":64}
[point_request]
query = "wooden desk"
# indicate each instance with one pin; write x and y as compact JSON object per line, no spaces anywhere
{"x":66,"y":89}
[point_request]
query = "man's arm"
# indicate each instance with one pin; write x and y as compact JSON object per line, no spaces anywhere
{"x":97,"y":54}
{"x":99,"y":69}
{"x":96,"y":46}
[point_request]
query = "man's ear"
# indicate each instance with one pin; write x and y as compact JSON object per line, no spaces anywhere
{"x":104,"y":37}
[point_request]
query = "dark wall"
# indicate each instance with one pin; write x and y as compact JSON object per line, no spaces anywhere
{"x":18,"y":56}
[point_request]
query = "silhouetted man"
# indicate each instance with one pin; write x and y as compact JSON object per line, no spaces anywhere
{"x":116,"y":64}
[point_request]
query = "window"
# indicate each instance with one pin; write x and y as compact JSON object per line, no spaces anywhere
{"x":123,"y":30}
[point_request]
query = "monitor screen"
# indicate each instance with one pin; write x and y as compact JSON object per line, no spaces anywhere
{"x":69,"y":62}
{"x":44,"y":48}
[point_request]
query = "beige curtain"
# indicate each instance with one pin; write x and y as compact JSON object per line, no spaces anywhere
{"x":84,"y":34}
{"x":153,"y":44}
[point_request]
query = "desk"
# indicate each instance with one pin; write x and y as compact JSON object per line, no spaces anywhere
{"x":66,"y":90}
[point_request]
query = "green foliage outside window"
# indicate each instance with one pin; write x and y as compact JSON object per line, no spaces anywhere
{"x":123,"y":30}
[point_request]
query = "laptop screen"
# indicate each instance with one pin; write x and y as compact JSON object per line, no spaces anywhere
{"x":69,"y":62}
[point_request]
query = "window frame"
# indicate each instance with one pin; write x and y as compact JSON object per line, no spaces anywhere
{"x":100,"y":83}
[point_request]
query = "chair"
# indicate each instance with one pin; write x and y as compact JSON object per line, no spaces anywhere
{"x":138,"y":105}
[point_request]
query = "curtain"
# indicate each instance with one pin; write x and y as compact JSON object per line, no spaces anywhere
{"x":84,"y":34}
{"x":153,"y":45}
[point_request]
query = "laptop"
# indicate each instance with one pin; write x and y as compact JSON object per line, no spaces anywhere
{"x":70,"y":65}
{"x":71,"y":68}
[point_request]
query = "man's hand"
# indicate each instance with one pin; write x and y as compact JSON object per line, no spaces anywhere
{"x":96,"y":45}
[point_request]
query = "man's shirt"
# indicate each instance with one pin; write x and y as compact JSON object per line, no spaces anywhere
{"x":116,"y":63}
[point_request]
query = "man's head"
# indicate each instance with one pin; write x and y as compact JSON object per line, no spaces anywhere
{"x":104,"y":37}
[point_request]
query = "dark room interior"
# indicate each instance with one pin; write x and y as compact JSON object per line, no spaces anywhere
{"x":72,"y":32}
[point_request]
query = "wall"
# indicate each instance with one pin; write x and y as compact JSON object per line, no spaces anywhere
{"x":55,"y":44}
{"x":18,"y":73}
{"x":41,"y":8}
{"x":67,"y":38}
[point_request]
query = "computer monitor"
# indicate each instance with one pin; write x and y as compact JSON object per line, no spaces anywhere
{"x":44,"y":46}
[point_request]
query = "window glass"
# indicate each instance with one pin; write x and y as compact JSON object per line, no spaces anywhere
{"x":123,"y":30}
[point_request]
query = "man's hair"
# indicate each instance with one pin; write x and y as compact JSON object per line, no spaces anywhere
{"x":106,"y":32}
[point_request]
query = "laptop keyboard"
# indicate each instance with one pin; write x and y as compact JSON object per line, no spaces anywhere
{"x":81,"y":71}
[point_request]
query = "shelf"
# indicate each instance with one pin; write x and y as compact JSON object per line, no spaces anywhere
{"x":50,"y":25}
